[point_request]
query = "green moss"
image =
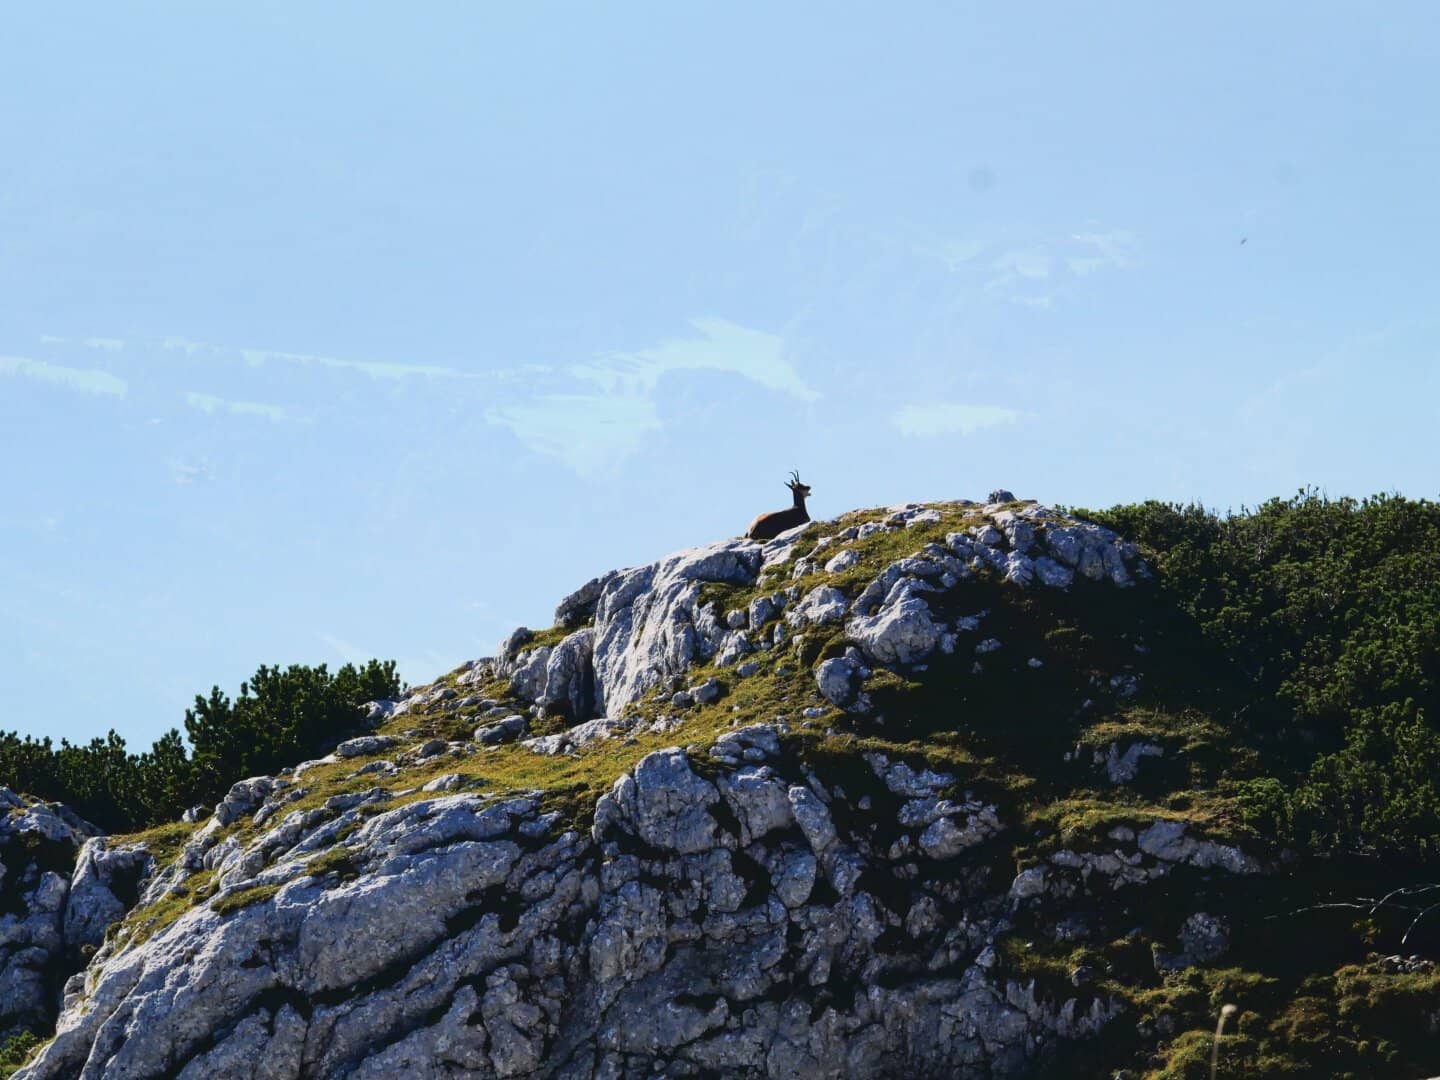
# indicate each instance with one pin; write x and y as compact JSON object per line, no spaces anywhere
{"x":165,"y":841}
{"x":339,"y":861}
{"x":145,"y":922}
{"x":1361,"y":1021}
{"x":230,"y":903}
{"x":1083,"y":818}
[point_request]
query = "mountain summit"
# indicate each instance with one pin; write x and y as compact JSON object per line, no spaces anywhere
{"x":934,"y":790}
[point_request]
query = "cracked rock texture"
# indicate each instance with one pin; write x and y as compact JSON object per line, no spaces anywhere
{"x":649,"y":624}
{"x":726,"y":920}
{"x":39,"y":843}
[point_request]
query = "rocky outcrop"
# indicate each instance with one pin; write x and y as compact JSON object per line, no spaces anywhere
{"x":103,"y":888}
{"x":650,"y":624}
{"x":569,"y":676}
{"x":1136,"y":857}
{"x":746,"y":918}
{"x":579,"y":606}
{"x":39,"y":843}
{"x":1121,"y":767}
{"x":1204,"y":939}
{"x":729,"y":908}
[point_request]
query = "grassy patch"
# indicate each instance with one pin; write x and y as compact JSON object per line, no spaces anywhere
{"x":551,"y":637}
{"x":339,"y":861}
{"x":1083,"y":819}
{"x":145,"y":922}
{"x":163,"y":841}
{"x":243,"y":898}
{"x":1359,"y":1022}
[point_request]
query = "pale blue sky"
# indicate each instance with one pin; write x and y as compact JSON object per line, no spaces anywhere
{"x":338,"y":330}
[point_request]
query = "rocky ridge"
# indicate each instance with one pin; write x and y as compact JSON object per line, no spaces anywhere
{"x":758,"y":898}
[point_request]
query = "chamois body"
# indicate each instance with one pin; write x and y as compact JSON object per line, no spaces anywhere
{"x":768,"y":526}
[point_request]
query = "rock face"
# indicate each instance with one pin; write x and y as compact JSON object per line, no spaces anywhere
{"x":103,"y":888}
{"x":728,"y":913}
{"x":649,"y":624}
{"x":38,"y":847}
{"x":569,"y":676}
{"x":725,"y":922}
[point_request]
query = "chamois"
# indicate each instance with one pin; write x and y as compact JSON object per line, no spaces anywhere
{"x":768,"y":526}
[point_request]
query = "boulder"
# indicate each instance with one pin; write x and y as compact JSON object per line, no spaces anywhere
{"x":835,"y":680}
{"x":707,"y":692}
{"x":364,"y":746}
{"x":1204,"y":938}
{"x":822,"y":604}
{"x":569,"y":683}
{"x":899,"y":634}
{"x":528,"y":672}
{"x":1121,"y":768}
{"x":501,"y":731}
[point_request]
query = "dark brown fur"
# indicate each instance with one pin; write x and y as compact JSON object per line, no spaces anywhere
{"x":768,"y":526}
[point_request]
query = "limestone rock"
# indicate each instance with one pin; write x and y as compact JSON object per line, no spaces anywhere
{"x":473,"y":936}
{"x":501,"y":731}
{"x":528,"y":672}
{"x":104,"y":886}
{"x":579,"y":606}
{"x":664,"y":802}
{"x":569,"y":683}
{"x":364,"y":746}
{"x":577,"y":737}
{"x":39,"y":843}
{"x":1204,"y":938}
{"x":708,"y":692}
{"x":1121,"y":768}
{"x":764,"y":608}
{"x":649,"y":624}
{"x":244,"y":796}
{"x":943,"y":838}
{"x":835,"y":679}
{"x":902,"y":633}
{"x":822,"y":604}
{"x":729,"y":912}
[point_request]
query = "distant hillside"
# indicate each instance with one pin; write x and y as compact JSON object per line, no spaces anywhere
{"x":934,"y":790}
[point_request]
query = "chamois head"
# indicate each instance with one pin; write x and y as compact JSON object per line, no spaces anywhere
{"x":799,"y":490}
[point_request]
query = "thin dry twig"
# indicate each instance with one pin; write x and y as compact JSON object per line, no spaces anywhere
{"x":1225,"y":1013}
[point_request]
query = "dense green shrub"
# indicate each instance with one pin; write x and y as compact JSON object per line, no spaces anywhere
{"x":280,"y":717}
{"x":16,"y":1050}
{"x":1331,"y":610}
